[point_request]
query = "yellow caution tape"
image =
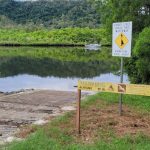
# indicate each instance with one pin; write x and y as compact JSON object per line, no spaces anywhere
{"x":133,"y":89}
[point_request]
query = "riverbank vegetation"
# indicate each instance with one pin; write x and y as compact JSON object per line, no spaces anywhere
{"x":75,"y":36}
{"x":101,"y":127}
{"x":139,"y":65}
{"x":40,"y":23}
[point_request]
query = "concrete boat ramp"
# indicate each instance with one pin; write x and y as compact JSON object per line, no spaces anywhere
{"x":31,"y":106}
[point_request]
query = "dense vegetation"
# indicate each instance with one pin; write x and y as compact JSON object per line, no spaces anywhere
{"x":52,"y":14}
{"x":55,"y":36}
{"x":139,"y":66}
{"x":138,"y":12}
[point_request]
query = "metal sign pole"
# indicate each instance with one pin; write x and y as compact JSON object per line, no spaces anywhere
{"x":78,"y":111}
{"x":121,"y":95}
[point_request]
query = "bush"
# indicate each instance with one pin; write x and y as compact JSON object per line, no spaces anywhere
{"x":139,"y":65}
{"x":55,"y":36}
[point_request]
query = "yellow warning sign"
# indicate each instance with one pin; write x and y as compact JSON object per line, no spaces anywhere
{"x":121,"y":40}
{"x":133,"y":89}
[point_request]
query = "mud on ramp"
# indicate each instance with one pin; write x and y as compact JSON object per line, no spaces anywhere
{"x":27,"y":107}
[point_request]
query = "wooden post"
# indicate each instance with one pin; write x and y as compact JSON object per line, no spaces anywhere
{"x":78,"y":112}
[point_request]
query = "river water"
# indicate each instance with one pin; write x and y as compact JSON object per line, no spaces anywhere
{"x":55,"y":68}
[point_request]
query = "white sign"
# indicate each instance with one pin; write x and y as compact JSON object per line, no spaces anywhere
{"x":122,"y":36}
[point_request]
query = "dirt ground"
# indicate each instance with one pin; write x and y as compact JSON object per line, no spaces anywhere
{"x":104,"y":121}
{"x":107,"y":120}
{"x":24,"y":108}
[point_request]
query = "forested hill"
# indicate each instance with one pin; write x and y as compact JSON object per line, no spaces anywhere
{"x":49,"y":13}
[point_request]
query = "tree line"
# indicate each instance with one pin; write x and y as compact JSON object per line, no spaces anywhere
{"x":48,"y":13}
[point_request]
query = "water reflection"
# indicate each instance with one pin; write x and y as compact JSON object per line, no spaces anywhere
{"x":54,"y":68}
{"x":51,"y":67}
{"x":25,"y":81}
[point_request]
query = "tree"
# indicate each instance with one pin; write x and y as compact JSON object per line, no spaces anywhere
{"x":139,"y":65}
{"x":53,"y":14}
{"x":137,"y":11}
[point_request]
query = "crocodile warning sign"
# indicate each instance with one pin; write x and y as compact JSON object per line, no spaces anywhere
{"x":122,"y":36}
{"x":121,"y":40}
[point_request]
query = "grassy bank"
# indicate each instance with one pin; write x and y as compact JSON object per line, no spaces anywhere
{"x":66,"y":36}
{"x":101,"y":127}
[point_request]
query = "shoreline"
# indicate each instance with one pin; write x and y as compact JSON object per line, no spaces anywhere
{"x":47,"y":45}
{"x":40,"y":45}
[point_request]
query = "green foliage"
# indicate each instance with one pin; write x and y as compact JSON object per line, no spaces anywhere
{"x":142,"y":47}
{"x":139,"y":65}
{"x":137,"y":11}
{"x":126,"y":10}
{"x":52,"y":14}
{"x":55,"y":36}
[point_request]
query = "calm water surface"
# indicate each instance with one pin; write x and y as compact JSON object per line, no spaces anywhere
{"x":26,"y":68}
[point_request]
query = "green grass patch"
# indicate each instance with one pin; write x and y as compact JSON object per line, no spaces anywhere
{"x":139,"y":102}
{"x":42,"y":142}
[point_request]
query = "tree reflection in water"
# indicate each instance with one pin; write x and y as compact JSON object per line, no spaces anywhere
{"x":11,"y":66}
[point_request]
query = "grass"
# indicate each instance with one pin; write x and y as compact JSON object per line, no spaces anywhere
{"x":42,"y":142}
{"x":60,"y":133}
{"x":141,"y":103}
